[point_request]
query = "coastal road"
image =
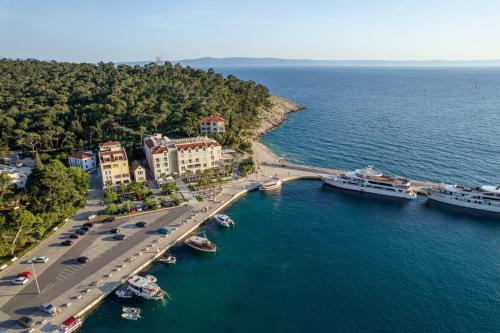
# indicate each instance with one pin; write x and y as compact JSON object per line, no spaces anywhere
{"x":65,"y":273}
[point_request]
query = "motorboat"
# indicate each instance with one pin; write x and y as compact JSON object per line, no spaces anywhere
{"x":168,"y":259}
{"x":272,"y":184}
{"x":370,"y":180}
{"x":201,"y":244}
{"x":70,"y":325}
{"x":131,"y":313}
{"x":145,"y":287}
{"x":124,"y":292}
{"x":224,"y":220}
{"x":486,"y":198}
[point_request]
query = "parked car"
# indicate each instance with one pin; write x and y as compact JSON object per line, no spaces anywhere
{"x":138,"y":208}
{"x":26,"y":321}
{"x":67,"y":242}
{"x":22,"y":278}
{"x":114,"y":230}
{"x":80,"y":232}
{"x":91,"y":217}
{"x":119,"y":236}
{"x":139,"y":197}
{"x":102,"y":212}
{"x":163,"y":231}
{"x":141,"y":224}
{"x":109,"y":219}
{"x":88,"y":224}
{"x":84,"y":228}
{"x":48,"y":308}
{"x":39,"y":260}
{"x":83,"y":260}
{"x":74,"y":236}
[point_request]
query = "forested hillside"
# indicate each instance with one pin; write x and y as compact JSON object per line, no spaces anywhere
{"x":51,"y":106}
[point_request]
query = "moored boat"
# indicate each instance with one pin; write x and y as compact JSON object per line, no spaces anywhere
{"x":486,"y":198}
{"x":168,"y":259}
{"x":145,"y":287}
{"x":273,"y":184}
{"x":370,"y":180}
{"x":201,"y":244}
{"x":70,"y":325}
{"x":224,"y":220}
{"x":124,"y":292}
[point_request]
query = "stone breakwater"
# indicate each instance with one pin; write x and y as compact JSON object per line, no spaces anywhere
{"x":276,"y":114}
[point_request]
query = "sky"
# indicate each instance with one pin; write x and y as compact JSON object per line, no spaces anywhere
{"x":109,"y":30}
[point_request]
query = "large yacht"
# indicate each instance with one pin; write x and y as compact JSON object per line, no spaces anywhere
{"x":372,"y":181}
{"x":145,"y":287}
{"x":482,"y":197}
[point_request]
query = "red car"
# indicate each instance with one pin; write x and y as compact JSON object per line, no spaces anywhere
{"x":139,"y":197}
{"x":26,"y":275}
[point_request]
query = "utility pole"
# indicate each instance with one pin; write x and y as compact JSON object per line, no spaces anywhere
{"x":36,"y":279}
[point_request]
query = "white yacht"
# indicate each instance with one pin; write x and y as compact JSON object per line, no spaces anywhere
{"x":145,"y":287}
{"x":272,"y":184}
{"x":371,"y":180}
{"x":483,"y":197}
{"x":224,"y":220}
{"x":200,"y":244}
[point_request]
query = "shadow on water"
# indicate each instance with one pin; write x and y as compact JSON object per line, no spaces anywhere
{"x":457,"y":213}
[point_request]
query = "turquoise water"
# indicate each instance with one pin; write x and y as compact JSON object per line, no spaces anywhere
{"x":312,"y":258}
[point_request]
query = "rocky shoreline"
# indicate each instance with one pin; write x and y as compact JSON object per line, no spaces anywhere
{"x":276,"y":114}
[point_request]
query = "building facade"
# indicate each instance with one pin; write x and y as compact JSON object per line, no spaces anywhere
{"x":18,"y":175}
{"x":138,"y":172}
{"x":167,"y":157}
{"x":113,"y":164}
{"x":212,"y":125}
{"x":85,"y":160}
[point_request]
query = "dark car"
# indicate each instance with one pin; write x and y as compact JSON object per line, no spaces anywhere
{"x":80,"y":232}
{"x":119,"y":237}
{"x":74,"y":236}
{"x":26,"y":321}
{"x":83,"y":260}
{"x":84,"y":228}
{"x":109,"y":219}
{"x":141,"y":224}
{"x":101,"y":212}
{"x":88,"y":224}
{"x":114,"y":230}
{"x":67,"y":242}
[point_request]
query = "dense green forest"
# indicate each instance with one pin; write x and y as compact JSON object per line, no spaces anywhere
{"x":52,"y":106}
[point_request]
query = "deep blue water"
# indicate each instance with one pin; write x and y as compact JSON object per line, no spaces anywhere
{"x":316,"y":259}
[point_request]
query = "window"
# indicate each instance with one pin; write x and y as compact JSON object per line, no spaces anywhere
{"x":157,"y":160}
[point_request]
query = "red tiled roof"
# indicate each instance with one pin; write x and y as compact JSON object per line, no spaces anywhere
{"x":149,"y":142}
{"x":82,"y":155}
{"x":109,"y":143}
{"x":213,"y":120}
{"x":112,"y":154}
{"x":159,"y":150}
{"x":183,"y":146}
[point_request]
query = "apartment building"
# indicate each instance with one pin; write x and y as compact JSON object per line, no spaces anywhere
{"x":113,"y":164}
{"x":138,"y":171}
{"x":178,"y":156}
{"x":214,"y":125}
{"x":85,"y":160}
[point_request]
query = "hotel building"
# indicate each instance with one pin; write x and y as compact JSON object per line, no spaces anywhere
{"x":214,"y":125}
{"x":113,"y":164}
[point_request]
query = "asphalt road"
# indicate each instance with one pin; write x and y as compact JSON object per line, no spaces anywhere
{"x":65,"y":273}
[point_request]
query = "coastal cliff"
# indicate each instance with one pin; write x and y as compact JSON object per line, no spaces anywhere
{"x":276,"y":114}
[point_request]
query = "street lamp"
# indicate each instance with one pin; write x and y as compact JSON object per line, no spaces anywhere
{"x":36,"y":279}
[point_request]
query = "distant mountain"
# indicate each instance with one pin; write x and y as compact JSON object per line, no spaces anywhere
{"x":241,"y":61}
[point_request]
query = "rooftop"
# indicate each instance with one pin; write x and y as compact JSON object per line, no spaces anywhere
{"x":212,"y":119}
{"x":82,"y":155}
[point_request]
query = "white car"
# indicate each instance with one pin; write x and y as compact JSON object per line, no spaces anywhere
{"x":48,"y":308}
{"x":39,"y":260}
{"x":20,"y":280}
{"x":91,"y":217}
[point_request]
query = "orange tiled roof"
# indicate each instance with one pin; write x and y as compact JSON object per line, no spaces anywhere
{"x":109,"y":143}
{"x":112,"y":154}
{"x":159,"y":150}
{"x":213,"y":120}
{"x":184,"y":146}
{"x":82,"y":155}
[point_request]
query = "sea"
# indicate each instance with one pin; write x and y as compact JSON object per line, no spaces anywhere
{"x":311,"y":258}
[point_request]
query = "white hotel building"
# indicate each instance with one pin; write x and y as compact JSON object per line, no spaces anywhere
{"x":176,"y":156}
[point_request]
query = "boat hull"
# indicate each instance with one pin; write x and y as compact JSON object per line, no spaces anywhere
{"x":333,"y":181}
{"x":202,"y":249}
{"x":450,"y":200}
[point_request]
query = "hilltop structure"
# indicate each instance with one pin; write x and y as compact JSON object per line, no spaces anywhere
{"x":113,"y":164}
{"x":212,"y":125}
{"x":179,"y":156}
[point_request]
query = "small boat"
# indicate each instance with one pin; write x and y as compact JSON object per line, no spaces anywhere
{"x":124,"y":292}
{"x":127,"y":309}
{"x":70,"y":325}
{"x":273,"y":184}
{"x":224,"y":220}
{"x":168,"y":259}
{"x":200,"y":244}
{"x":131,"y":316}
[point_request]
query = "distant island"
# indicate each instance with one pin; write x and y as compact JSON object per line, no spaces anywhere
{"x":207,"y":62}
